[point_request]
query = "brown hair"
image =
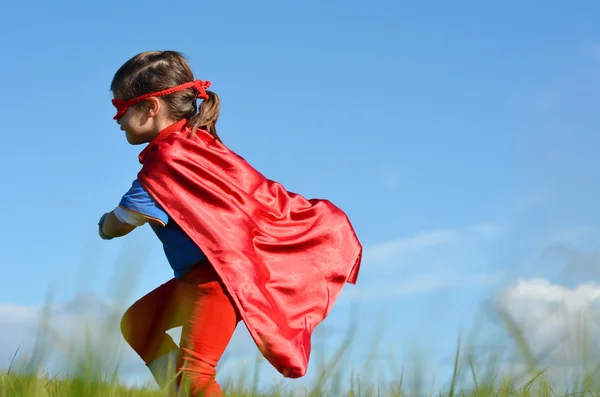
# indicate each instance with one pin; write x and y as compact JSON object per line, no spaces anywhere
{"x":154,"y":71}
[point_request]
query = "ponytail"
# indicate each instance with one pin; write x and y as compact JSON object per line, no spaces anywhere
{"x":207,"y":116}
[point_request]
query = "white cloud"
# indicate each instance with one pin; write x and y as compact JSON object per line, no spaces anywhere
{"x":433,"y":260}
{"x":559,"y":325}
{"x":533,"y":302}
{"x":385,"y":252}
{"x":390,"y":251}
{"x":423,"y":283}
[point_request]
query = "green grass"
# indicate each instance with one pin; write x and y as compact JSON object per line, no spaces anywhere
{"x":476,"y":373}
{"x":40,"y":385}
{"x":88,"y":380}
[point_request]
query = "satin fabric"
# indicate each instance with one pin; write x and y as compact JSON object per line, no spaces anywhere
{"x":283,"y":258}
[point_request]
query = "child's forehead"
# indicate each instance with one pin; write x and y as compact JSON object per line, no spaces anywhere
{"x":121,"y":91}
{"x":117,"y":94}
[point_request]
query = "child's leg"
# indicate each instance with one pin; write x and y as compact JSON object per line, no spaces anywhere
{"x":144,"y":326}
{"x":208,"y":332}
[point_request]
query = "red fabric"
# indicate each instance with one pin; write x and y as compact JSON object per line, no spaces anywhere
{"x":283,"y":258}
{"x":200,"y":305}
{"x":122,"y":106}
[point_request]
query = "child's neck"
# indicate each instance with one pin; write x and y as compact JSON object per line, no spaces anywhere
{"x":163,"y":124}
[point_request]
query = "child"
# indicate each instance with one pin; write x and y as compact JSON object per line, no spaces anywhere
{"x":242,"y":248}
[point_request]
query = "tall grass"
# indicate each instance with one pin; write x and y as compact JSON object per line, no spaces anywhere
{"x":90,"y":377}
{"x":93,"y":368}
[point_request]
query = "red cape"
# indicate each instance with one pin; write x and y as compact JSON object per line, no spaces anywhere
{"x":283,"y":258}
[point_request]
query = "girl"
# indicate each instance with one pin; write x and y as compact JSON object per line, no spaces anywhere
{"x":242,"y":248}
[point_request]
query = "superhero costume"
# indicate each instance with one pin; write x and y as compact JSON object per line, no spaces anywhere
{"x":284,"y":259}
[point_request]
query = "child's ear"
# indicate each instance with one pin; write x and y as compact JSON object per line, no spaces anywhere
{"x":153,"y":106}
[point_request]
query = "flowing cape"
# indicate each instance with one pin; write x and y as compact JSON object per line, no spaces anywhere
{"x":283,"y":258}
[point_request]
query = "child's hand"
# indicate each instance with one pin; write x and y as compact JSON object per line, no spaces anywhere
{"x":101,"y":226}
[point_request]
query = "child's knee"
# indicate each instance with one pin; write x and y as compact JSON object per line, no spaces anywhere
{"x":198,"y":368}
{"x":126,"y":323}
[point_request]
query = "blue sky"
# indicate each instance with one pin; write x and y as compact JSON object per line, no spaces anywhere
{"x":460,"y":139}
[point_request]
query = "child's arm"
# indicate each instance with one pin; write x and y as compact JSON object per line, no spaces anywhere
{"x":111,"y":227}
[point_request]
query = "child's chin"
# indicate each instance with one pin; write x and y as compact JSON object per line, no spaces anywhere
{"x":133,"y":140}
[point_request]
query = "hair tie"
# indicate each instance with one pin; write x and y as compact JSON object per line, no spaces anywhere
{"x":201,"y":86}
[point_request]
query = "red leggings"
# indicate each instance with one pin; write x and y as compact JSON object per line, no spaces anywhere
{"x":200,"y":304}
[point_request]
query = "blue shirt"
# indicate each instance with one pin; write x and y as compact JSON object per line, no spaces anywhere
{"x":181,"y":252}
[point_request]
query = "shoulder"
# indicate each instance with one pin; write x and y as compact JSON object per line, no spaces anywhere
{"x":137,"y":192}
{"x":138,"y":200}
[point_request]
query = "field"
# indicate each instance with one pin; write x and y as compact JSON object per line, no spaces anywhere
{"x":474,"y":372}
{"x":31,"y":386}
{"x":480,"y":382}
{"x":41,"y":386}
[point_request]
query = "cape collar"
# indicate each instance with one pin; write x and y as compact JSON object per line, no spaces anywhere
{"x":162,"y":135}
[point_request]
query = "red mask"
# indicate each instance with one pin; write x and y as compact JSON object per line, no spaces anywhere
{"x":122,"y":106}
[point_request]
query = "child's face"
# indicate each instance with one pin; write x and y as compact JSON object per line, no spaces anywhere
{"x":142,"y":122}
{"x":135,"y":125}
